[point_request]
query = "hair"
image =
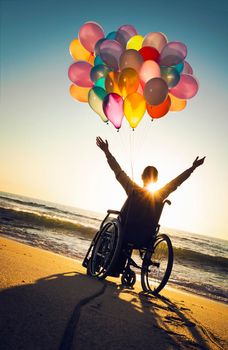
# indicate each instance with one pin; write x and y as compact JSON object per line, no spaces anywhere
{"x":149,"y":173}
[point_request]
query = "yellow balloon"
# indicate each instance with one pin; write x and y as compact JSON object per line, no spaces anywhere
{"x":135,"y":42}
{"x":78,"y":52}
{"x":79,"y":93}
{"x":111,"y":83}
{"x":134,"y":108}
{"x":177,"y":104}
{"x":128,"y":81}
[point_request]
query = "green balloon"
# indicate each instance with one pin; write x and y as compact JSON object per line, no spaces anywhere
{"x":100,"y":83}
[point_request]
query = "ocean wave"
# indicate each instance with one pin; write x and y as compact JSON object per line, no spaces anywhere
{"x":23,"y":218}
{"x":47,"y":208}
{"x":187,"y":255}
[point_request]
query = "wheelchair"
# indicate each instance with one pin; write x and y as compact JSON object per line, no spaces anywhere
{"x":109,"y":255}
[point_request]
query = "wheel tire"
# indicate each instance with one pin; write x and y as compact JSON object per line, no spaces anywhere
{"x":128,"y":278}
{"x":106,"y":250}
{"x":157,"y":265}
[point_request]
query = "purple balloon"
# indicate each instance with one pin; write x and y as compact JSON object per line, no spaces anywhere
{"x":173,"y":53}
{"x":113,"y":109}
{"x":155,"y":91}
{"x":97,"y":46}
{"x":79,"y":74}
{"x":110,"y":52}
{"x":186,"y":88}
{"x":187,"y":68}
{"x":124,"y":33}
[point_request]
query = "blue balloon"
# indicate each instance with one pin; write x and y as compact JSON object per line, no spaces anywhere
{"x":111,"y":36}
{"x":99,"y":71}
{"x":98,"y":60}
{"x":180,"y":66}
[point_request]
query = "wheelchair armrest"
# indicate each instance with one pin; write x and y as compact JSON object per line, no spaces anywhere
{"x":110,"y":211}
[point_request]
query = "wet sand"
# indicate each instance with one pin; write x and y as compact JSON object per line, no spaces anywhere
{"x":48,"y":302}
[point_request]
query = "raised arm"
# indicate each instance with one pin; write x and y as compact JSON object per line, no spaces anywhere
{"x":165,"y":191}
{"x":121,"y":176}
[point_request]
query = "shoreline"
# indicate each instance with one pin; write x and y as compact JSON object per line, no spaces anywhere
{"x":170,"y":285}
{"x":48,"y":301}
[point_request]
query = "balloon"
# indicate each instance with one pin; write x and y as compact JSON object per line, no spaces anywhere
{"x":128,"y":81}
{"x":78,"y":52}
{"x":150,"y":69}
{"x":95,"y":99}
{"x":155,"y":39}
{"x":79,"y":93}
{"x":79,"y":74}
{"x":134,"y":108}
{"x":100,"y":83}
{"x":179,"y":67}
{"x":91,"y":59}
{"x":186,"y":88}
{"x":149,"y":53}
{"x":170,"y":75}
{"x":110,"y":52}
{"x":130,"y":59}
{"x":113,"y":109}
{"x":159,"y":110}
{"x":97,"y":46}
{"x":135,"y":42}
{"x":187,"y":68}
{"x":111,"y":83}
{"x":98,"y":71}
{"x":89,"y":34}
{"x":98,"y":60}
{"x":155,"y":91}
{"x":111,"y":36}
{"x":177,"y":104}
{"x":124,"y":33}
{"x":173,"y":53}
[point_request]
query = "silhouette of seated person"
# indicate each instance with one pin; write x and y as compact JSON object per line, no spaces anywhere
{"x":141,"y":211}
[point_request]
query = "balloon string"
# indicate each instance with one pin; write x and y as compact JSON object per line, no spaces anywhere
{"x":131,"y":155}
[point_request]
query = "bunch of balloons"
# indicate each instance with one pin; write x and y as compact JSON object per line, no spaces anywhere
{"x":124,"y":73}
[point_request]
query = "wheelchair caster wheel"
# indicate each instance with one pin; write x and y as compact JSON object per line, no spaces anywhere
{"x":128,"y":278}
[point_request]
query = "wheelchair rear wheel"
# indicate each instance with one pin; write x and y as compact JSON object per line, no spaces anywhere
{"x":157,"y":265}
{"x":106,"y":250}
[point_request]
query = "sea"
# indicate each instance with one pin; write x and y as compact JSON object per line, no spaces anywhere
{"x":200,"y":262}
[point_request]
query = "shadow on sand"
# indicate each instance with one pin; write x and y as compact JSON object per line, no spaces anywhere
{"x":74,"y":311}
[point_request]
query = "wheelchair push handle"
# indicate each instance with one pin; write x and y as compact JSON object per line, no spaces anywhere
{"x":110,"y":211}
{"x":167,"y":201}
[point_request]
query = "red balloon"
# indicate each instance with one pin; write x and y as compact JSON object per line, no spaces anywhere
{"x":160,"y":110}
{"x":149,"y":53}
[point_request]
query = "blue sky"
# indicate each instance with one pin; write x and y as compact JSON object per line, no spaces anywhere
{"x":47,"y":147}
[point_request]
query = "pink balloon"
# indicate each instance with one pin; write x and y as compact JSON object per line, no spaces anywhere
{"x":113,"y":109}
{"x":89,"y":34}
{"x":79,"y":73}
{"x":186,"y":88}
{"x":187,"y":68}
{"x":110,"y":52}
{"x":150,"y":69}
{"x":124,"y":33}
{"x":173,"y":53}
{"x":155,"y":39}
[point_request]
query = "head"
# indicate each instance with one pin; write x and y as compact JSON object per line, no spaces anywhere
{"x":149,"y":175}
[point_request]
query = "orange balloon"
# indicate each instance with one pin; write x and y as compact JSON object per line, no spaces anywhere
{"x":78,"y":52}
{"x":91,"y":59}
{"x":177,"y":104}
{"x":128,"y":81}
{"x":111,"y":83}
{"x":79,"y":93}
{"x":159,"y":111}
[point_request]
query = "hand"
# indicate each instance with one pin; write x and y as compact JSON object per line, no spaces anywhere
{"x":102,"y":145}
{"x":197,"y":162}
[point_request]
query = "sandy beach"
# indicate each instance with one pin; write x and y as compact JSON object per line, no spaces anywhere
{"x":48,"y":302}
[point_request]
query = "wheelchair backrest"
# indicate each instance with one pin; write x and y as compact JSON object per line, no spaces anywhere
{"x":140,"y":215}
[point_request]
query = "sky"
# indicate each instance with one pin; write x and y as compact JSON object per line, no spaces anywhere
{"x":47,"y":140}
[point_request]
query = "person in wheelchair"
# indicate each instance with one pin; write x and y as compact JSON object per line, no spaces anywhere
{"x":141,"y":211}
